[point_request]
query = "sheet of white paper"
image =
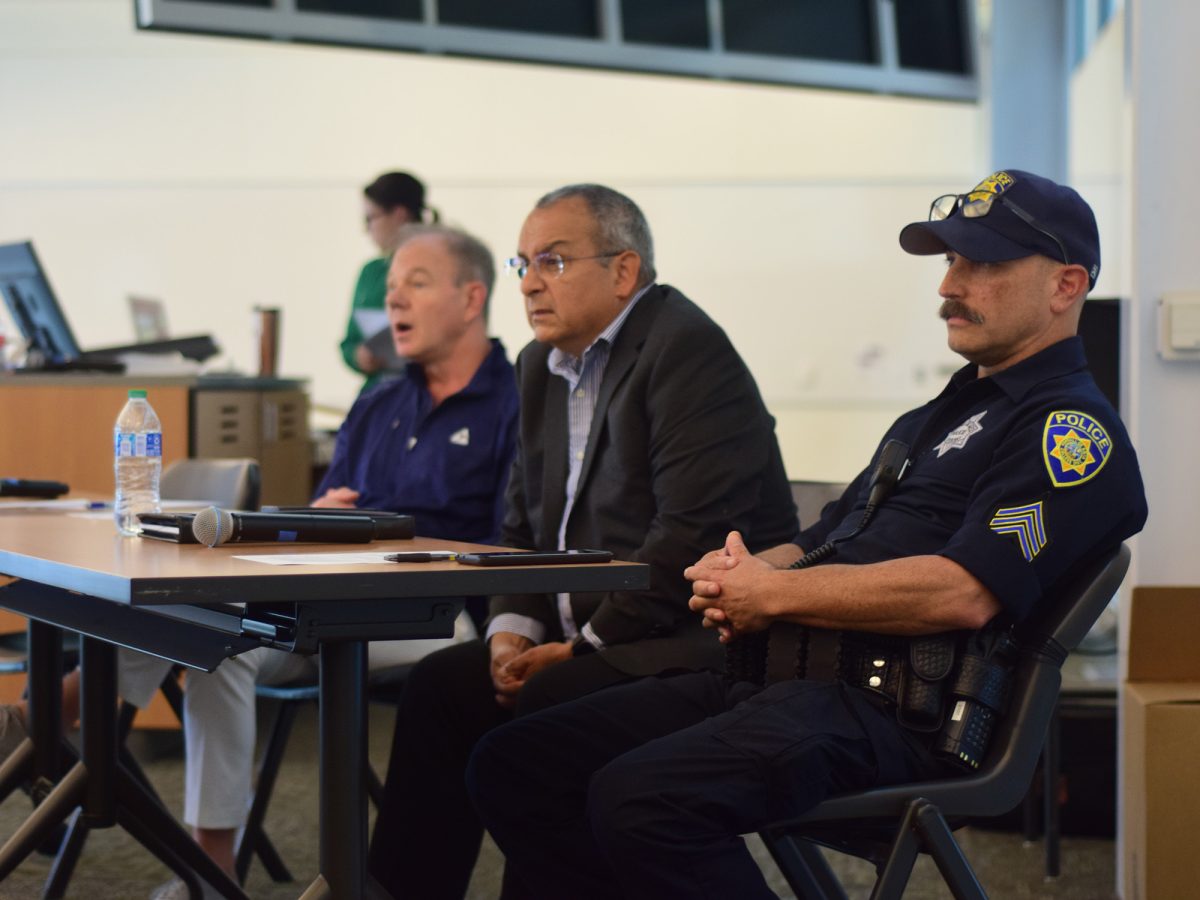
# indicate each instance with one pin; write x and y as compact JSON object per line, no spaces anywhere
{"x":318,"y":559}
{"x":370,"y":321}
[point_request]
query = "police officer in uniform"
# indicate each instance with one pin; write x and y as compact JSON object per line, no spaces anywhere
{"x":1014,"y":477}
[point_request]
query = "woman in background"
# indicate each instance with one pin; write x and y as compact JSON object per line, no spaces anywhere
{"x":390,"y":202}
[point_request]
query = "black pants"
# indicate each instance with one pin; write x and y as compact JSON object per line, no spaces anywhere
{"x":644,"y":789}
{"x":427,"y":836}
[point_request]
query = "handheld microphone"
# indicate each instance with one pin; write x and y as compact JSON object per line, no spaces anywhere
{"x":214,"y":526}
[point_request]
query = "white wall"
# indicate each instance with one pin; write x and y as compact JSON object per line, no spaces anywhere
{"x":220,"y":174}
{"x":1134,"y":140}
{"x":1164,"y":83}
{"x":1134,"y":144}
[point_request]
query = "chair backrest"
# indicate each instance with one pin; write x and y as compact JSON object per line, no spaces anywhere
{"x":1058,"y":626}
{"x":228,"y":483}
{"x":1046,"y":638}
{"x":811,"y":496}
{"x":1068,"y":619}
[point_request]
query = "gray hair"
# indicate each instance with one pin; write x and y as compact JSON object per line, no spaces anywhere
{"x":620,"y":225}
{"x":471,"y":256}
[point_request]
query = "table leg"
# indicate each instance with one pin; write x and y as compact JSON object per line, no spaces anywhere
{"x":108,"y":793}
{"x":343,"y":726}
{"x":38,"y":760}
{"x":45,"y":701}
{"x":98,"y":726}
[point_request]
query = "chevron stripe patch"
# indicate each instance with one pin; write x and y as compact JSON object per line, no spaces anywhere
{"x":1026,"y":523}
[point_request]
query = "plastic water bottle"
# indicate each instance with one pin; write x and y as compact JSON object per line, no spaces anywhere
{"x":137,"y":462}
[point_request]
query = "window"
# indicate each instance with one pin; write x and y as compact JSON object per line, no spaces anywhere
{"x":668,"y":23}
{"x":930,"y":35}
{"x":914,"y":47}
{"x":576,"y":18}
{"x":381,"y":9}
{"x":840,"y":30}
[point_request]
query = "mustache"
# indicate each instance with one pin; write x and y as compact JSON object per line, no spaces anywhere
{"x":957,"y":310}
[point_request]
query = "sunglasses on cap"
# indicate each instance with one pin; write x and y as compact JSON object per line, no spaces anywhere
{"x":978,"y":204}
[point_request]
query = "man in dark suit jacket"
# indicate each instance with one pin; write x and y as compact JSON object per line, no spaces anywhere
{"x":641,"y":432}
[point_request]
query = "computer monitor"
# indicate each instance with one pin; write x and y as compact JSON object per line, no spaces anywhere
{"x":32,"y":305}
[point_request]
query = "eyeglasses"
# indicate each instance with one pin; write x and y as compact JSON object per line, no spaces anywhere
{"x":978,"y":204}
{"x":548,"y":265}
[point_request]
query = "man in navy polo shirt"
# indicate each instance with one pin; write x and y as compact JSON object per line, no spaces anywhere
{"x":1012,"y":478}
{"x":437,"y":444}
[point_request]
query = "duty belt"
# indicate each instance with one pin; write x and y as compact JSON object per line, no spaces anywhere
{"x":909,"y":672}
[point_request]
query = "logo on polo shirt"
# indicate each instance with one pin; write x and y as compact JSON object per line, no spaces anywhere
{"x":1075,"y":447}
{"x":958,"y":438}
{"x":461,"y":438}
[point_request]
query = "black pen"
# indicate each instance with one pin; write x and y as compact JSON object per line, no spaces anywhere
{"x":419,"y":556}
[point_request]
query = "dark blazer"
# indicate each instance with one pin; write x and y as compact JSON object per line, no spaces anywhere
{"x":681,"y":451}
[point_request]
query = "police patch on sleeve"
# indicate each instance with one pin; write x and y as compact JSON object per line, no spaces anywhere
{"x":1075,"y":447}
{"x":1025,"y":523}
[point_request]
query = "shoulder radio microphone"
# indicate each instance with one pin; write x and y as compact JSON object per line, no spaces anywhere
{"x":888,"y":470}
{"x":214,"y":526}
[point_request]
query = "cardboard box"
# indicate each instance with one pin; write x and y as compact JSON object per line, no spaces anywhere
{"x":1160,"y":746}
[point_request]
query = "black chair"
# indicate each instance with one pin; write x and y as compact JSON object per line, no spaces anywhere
{"x":811,"y":496}
{"x":889,"y":826}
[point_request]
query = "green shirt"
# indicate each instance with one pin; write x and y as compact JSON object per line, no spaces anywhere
{"x":369,"y":293}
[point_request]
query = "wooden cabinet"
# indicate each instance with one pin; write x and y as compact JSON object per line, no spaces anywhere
{"x":270,"y":426}
{"x":66,"y":421}
{"x":62,"y":430}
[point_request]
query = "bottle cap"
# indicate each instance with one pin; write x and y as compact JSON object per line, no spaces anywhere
{"x":137,"y":393}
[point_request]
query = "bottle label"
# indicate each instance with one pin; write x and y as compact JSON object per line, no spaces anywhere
{"x":146,"y":444}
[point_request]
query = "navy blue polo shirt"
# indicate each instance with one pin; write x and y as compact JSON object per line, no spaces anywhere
{"x":1021,"y":478}
{"x":446,"y":465}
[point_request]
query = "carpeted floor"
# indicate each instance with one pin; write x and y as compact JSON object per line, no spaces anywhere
{"x":115,"y":867}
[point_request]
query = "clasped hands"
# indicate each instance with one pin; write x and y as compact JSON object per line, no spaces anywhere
{"x":729,"y":589}
{"x":516,"y":659}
